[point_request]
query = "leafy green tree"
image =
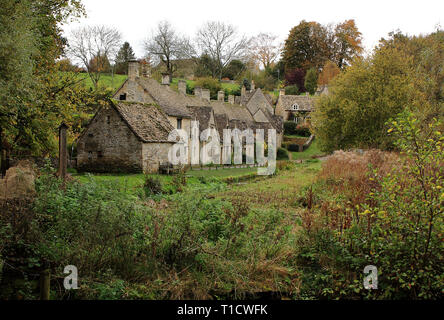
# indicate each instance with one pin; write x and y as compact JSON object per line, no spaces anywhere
{"x":308,"y":45}
{"x":32,"y":95}
{"x":124,"y":55}
{"x":403,"y":72}
{"x":361,"y":100}
{"x":311,"y":81}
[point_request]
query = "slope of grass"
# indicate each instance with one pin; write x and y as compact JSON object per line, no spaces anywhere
{"x":106,"y":80}
{"x":309,"y":153}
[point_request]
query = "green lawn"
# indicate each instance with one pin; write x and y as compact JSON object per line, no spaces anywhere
{"x":313,"y":150}
{"x":106,"y":80}
{"x":222,"y":173}
{"x":134,"y":181}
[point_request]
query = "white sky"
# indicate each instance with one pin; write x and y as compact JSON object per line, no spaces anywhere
{"x":375,"y":19}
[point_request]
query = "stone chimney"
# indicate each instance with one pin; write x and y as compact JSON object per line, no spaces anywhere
{"x":253,"y":86}
{"x":198,"y":91}
{"x":206,"y":94}
{"x":243,"y":91}
{"x":281,"y":92}
{"x":133,"y":69}
{"x":221,"y":95}
{"x":182,"y":85}
{"x":166,"y":79}
{"x":231,"y":99}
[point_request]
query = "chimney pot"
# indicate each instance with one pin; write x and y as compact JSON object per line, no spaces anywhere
{"x":221,"y":95}
{"x":166,"y":79}
{"x":182,"y":86}
{"x":243,"y":91}
{"x":206,"y":94}
{"x":133,"y":69}
{"x":198,"y":91}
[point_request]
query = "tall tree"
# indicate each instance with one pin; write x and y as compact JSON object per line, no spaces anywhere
{"x":99,"y":43}
{"x":265,"y":49}
{"x":32,"y":94}
{"x":167,"y":45}
{"x":329,"y":71}
{"x":347,"y":42}
{"x":311,"y":81}
{"x":124,"y":55}
{"x":222,"y":43}
{"x":308,"y":45}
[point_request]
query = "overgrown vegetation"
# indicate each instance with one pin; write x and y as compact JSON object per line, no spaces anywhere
{"x":380,"y":209}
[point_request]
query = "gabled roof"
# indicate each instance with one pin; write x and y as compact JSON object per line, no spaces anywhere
{"x":201,"y":114}
{"x":305,"y":103}
{"x":146,"y":121}
{"x":171,"y":102}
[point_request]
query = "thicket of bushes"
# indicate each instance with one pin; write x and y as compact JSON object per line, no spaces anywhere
{"x":292,"y":128}
{"x":378,"y":209}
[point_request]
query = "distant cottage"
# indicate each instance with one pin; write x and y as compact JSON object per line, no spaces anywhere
{"x":294,"y":107}
{"x":131,"y":134}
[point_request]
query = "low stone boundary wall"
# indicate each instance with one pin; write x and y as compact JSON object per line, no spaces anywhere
{"x":223,"y":167}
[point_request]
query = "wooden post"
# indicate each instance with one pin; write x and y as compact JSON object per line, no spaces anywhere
{"x":63,"y":154}
{"x":45,"y":278}
{"x":2,"y":155}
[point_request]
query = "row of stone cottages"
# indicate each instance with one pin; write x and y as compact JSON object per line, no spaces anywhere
{"x":131,"y":134}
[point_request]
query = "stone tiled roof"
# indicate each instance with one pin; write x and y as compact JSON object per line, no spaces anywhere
{"x":147,"y":121}
{"x":201,"y":114}
{"x":305,"y":103}
{"x":233,"y":111}
{"x":171,"y":102}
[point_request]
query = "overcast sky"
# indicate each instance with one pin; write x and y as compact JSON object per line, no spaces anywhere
{"x":375,"y":19}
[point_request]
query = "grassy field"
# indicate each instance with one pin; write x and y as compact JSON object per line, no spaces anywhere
{"x":133,"y":181}
{"x":309,"y":153}
{"x":106,"y":80}
{"x":279,"y":191}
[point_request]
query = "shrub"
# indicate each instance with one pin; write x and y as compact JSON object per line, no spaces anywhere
{"x":293,"y":147}
{"x":292,"y":90}
{"x":209,"y":83}
{"x":152,"y":185}
{"x":381,"y":211}
{"x":289,"y":127}
{"x":282,"y":154}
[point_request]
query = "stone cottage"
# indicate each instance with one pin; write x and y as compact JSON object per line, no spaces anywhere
{"x":124,"y":137}
{"x":131,"y":134}
{"x":295,"y":108}
{"x":252,"y":109}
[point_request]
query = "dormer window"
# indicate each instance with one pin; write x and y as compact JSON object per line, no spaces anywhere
{"x":179,"y":123}
{"x":295,"y":107}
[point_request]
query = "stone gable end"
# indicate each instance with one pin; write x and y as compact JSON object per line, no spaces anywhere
{"x":108,"y":145}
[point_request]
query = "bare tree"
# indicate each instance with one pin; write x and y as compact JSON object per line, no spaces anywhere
{"x":222,"y":43}
{"x":166,"y":45}
{"x":264,"y":49}
{"x":94,"y":47}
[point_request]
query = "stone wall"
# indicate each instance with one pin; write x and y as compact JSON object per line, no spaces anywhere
{"x":154,"y":154}
{"x":108,"y":145}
